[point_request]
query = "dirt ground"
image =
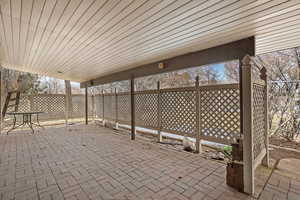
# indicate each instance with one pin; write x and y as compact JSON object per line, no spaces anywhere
{"x":284,"y":150}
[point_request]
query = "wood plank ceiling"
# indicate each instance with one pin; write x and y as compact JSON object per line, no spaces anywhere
{"x":83,"y":39}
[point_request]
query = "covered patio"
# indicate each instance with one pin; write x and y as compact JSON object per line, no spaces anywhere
{"x":99,"y":42}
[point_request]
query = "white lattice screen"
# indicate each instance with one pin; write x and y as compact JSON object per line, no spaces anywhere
{"x":98,"y":105}
{"x":178,"y":111}
{"x":110,"y":107}
{"x":146,"y":109}
{"x":124,"y":111}
{"x":219,"y":111}
{"x":258,"y":119}
{"x":54,"y":106}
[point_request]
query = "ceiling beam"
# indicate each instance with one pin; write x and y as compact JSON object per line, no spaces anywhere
{"x":231,"y":51}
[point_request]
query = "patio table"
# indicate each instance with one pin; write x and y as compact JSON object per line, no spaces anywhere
{"x":26,"y":120}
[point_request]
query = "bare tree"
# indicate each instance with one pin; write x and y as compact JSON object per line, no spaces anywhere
{"x":283,"y":78}
{"x":231,"y":71}
{"x":208,"y":75}
{"x":53,"y":85}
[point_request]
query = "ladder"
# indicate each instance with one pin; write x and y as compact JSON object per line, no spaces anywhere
{"x":11,"y":102}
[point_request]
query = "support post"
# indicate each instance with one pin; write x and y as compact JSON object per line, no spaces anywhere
{"x":68,"y":101}
{"x":198,"y":128}
{"x":159,"y":136}
{"x":247,"y":126}
{"x":132,"y":101}
{"x":1,"y":118}
{"x":263,"y":76}
{"x":86,"y":106}
{"x":93,"y":107}
{"x":66,"y":110}
{"x":103,"y":120}
{"x":241,"y":95}
{"x":116,"y":107}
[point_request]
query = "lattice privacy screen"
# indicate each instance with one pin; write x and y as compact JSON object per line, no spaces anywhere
{"x":146,"y":109}
{"x":259,"y":128}
{"x":110,"y":107}
{"x":178,"y":112}
{"x":219,"y":111}
{"x":98,"y":106}
{"x":124,"y":111}
{"x":54,"y":106}
{"x":78,"y":106}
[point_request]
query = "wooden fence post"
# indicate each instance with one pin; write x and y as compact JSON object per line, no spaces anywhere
{"x":247,"y":126}
{"x":198,"y":128}
{"x":116,"y":107}
{"x":93,"y":107}
{"x":132,"y":109}
{"x":263,"y":74}
{"x":159,"y":112}
{"x":67,"y":110}
{"x":1,"y":118}
{"x":86,"y":106}
{"x":103,"y":120}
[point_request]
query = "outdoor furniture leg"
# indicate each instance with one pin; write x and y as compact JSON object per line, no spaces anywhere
{"x":14,"y":125}
{"x":38,"y":122}
{"x":29,"y":122}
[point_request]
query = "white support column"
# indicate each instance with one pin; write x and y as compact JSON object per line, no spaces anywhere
{"x":247,"y":126}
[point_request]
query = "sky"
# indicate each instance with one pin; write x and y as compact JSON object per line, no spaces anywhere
{"x":218,"y":67}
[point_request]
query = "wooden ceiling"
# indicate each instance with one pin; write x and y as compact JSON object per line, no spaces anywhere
{"x":80,"y":40}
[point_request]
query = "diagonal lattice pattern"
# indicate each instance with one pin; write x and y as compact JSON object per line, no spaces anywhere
{"x":258,"y":119}
{"x":124,"y":111}
{"x":220,"y":113}
{"x":146,"y":110}
{"x":78,"y":108}
{"x":53,"y":106}
{"x":24,"y":104}
{"x":110,"y":107}
{"x":98,"y":105}
{"x":178,"y":112}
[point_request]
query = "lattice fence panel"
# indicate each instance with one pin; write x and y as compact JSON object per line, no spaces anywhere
{"x":124,"y":109}
{"x":220,"y":113}
{"x":178,"y":111}
{"x":99,"y":106}
{"x":24,"y":104}
{"x":53,"y":106}
{"x":109,"y":107}
{"x":78,"y":104}
{"x":147,"y":109}
{"x":258,"y":119}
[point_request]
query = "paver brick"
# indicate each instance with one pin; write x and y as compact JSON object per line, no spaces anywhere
{"x":91,"y":163}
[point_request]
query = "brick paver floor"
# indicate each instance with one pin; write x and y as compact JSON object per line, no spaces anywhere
{"x":282,"y":185}
{"x":89,"y":162}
